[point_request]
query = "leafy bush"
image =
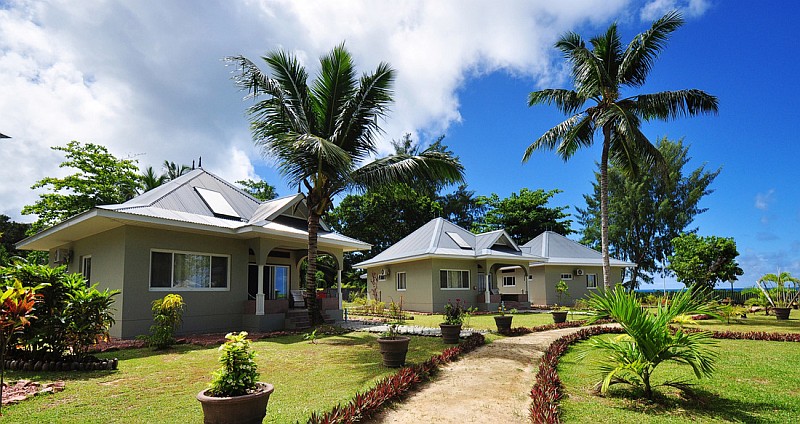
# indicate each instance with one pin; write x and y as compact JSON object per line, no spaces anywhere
{"x":455,"y":313}
{"x":168,"y":316}
{"x":88,"y":316}
{"x":238,"y":372}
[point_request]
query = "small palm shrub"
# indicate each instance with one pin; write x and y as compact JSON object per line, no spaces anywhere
{"x":168,"y":316}
{"x":648,"y":341}
{"x":88,"y":315}
{"x":238,"y":372}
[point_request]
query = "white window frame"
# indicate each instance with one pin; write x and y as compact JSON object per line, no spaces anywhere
{"x":512,"y":278}
{"x":83,"y":268}
{"x":594,"y":287}
{"x":469,"y":279}
{"x":566,"y":276}
{"x":397,"y":281}
{"x":172,"y":271}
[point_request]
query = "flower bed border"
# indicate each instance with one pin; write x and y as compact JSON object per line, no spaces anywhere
{"x":547,"y":390}
{"x":366,"y":404}
{"x":521,"y":331}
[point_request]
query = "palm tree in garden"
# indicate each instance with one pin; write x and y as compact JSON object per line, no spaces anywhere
{"x":599,"y":75}
{"x":323,"y":134}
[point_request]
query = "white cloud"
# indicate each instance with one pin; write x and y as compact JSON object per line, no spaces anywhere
{"x":657,"y":8}
{"x":145,"y":78}
{"x":764,"y":200}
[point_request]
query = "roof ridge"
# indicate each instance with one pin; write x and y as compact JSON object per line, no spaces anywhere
{"x":177,"y":186}
{"x":220,"y":179}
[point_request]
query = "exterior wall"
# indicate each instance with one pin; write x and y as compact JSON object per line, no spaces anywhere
{"x":107,"y":250}
{"x":546,"y":277}
{"x":442,"y":296}
{"x":206,"y":311}
{"x":537,"y":293}
{"x":519,"y":279}
{"x":417,"y":296}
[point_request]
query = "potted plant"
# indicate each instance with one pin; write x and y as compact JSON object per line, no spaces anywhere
{"x":394,"y":347}
{"x":235,"y":395}
{"x":562,"y":292}
{"x":454,"y":315}
{"x":778,"y":293}
{"x":503,"y":321}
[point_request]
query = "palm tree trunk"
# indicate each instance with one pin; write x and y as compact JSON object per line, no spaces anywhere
{"x":314,"y":313}
{"x":604,"y":207}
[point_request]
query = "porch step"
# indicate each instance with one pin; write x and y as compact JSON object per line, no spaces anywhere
{"x":297,"y":319}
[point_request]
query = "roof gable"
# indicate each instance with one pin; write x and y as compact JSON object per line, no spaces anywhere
{"x":559,"y":249}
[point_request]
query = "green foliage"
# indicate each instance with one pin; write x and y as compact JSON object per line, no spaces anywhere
{"x":322,"y":134}
{"x":10,"y":233}
{"x":260,"y":190}
{"x":648,"y":210}
{"x":172,"y":170}
{"x":456,"y":313}
{"x":311,"y":336}
{"x":167,"y":317}
{"x":150,"y":180}
{"x":704,"y":261}
{"x":238,"y":372}
{"x":461,"y":207}
{"x":602,"y":70}
{"x":776,"y":290}
{"x":562,"y":292}
{"x":16,"y":311}
{"x":102,"y":179}
{"x":731,"y":311}
{"x":648,"y":340}
{"x":524,"y":215}
{"x":88,"y":315}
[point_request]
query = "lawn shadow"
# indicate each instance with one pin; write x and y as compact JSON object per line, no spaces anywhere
{"x":696,"y":404}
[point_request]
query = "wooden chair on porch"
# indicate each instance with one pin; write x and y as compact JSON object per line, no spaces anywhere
{"x":298,"y":299}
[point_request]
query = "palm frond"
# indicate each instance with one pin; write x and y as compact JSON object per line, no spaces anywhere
{"x":359,"y":121}
{"x":333,"y":88}
{"x":430,"y":165}
{"x":669,"y":105}
{"x":577,"y":129}
{"x":566,"y":101}
{"x":303,"y":156}
{"x":644,"y":49}
{"x":588,"y":73}
{"x":608,"y":49}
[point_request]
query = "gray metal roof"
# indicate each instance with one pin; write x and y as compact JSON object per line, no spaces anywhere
{"x":561,"y":250}
{"x":432,"y":239}
{"x":177,"y":203}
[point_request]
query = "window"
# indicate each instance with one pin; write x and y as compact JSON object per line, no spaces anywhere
{"x":188,"y":271}
{"x":276,"y":281}
{"x":453,"y":279}
{"x":401,"y":281}
{"x":86,"y":267}
{"x":509,"y":280}
{"x":591,"y":281}
{"x":566,"y":276}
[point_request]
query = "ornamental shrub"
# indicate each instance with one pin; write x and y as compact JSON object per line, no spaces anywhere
{"x":168,"y":316}
{"x":238,"y":373}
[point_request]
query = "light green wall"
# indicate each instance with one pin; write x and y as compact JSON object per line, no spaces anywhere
{"x":550,"y":276}
{"x":442,"y":296}
{"x":206,"y":311}
{"x":417,"y":296}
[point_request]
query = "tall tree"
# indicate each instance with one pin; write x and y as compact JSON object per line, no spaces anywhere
{"x":10,"y":233}
{"x":322,"y":134}
{"x":704,"y":261}
{"x":150,"y":180}
{"x":599,"y":75}
{"x":646,"y":212}
{"x":524,"y":215}
{"x":461,"y":207}
{"x":102,"y":179}
{"x":261,"y":189}
{"x":172,"y":170}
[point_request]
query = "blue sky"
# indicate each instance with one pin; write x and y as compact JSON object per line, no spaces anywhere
{"x":145,"y":79}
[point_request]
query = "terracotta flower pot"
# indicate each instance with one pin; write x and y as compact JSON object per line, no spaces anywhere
{"x":503,"y":323}
{"x":450,"y":333}
{"x":559,"y":316}
{"x":782,"y":313}
{"x":394,"y":350}
{"x":245,"y":409}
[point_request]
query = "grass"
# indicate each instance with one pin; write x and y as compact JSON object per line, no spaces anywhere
{"x":486,"y":322}
{"x":755,"y":382}
{"x":755,"y":322}
{"x":155,"y":386}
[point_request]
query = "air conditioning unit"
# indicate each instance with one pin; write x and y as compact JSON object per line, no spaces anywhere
{"x":578,"y":272}
{"x":383,"y":275}
{"x":63,"y":256}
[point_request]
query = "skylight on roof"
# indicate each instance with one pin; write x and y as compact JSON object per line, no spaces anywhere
{"x":217,"y":203}
{"x":459,"y":240}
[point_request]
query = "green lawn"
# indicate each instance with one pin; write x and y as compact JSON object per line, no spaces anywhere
{"x":755,"y":322}
{"x":755,"y":382}
{"x":161,"y":386}
{"x":486,"y":322}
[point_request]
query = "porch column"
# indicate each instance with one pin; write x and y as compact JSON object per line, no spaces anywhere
{"x":488,"y":289}
{"x":260,"y":294}
{"x":339,"y":287}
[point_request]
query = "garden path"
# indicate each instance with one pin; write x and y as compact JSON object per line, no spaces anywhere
{"x":489,"y":385}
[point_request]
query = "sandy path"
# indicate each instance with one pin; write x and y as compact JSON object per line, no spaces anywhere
{"x":489,"y":385}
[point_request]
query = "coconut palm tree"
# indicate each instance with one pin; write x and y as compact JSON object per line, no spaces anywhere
{"x":599,"y":75}
{"x":648,"y":340}
{"x":779,"y":295}
{"x":150,"y":179}
{"x":173,"y":170}
{"x":323,"y":134}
